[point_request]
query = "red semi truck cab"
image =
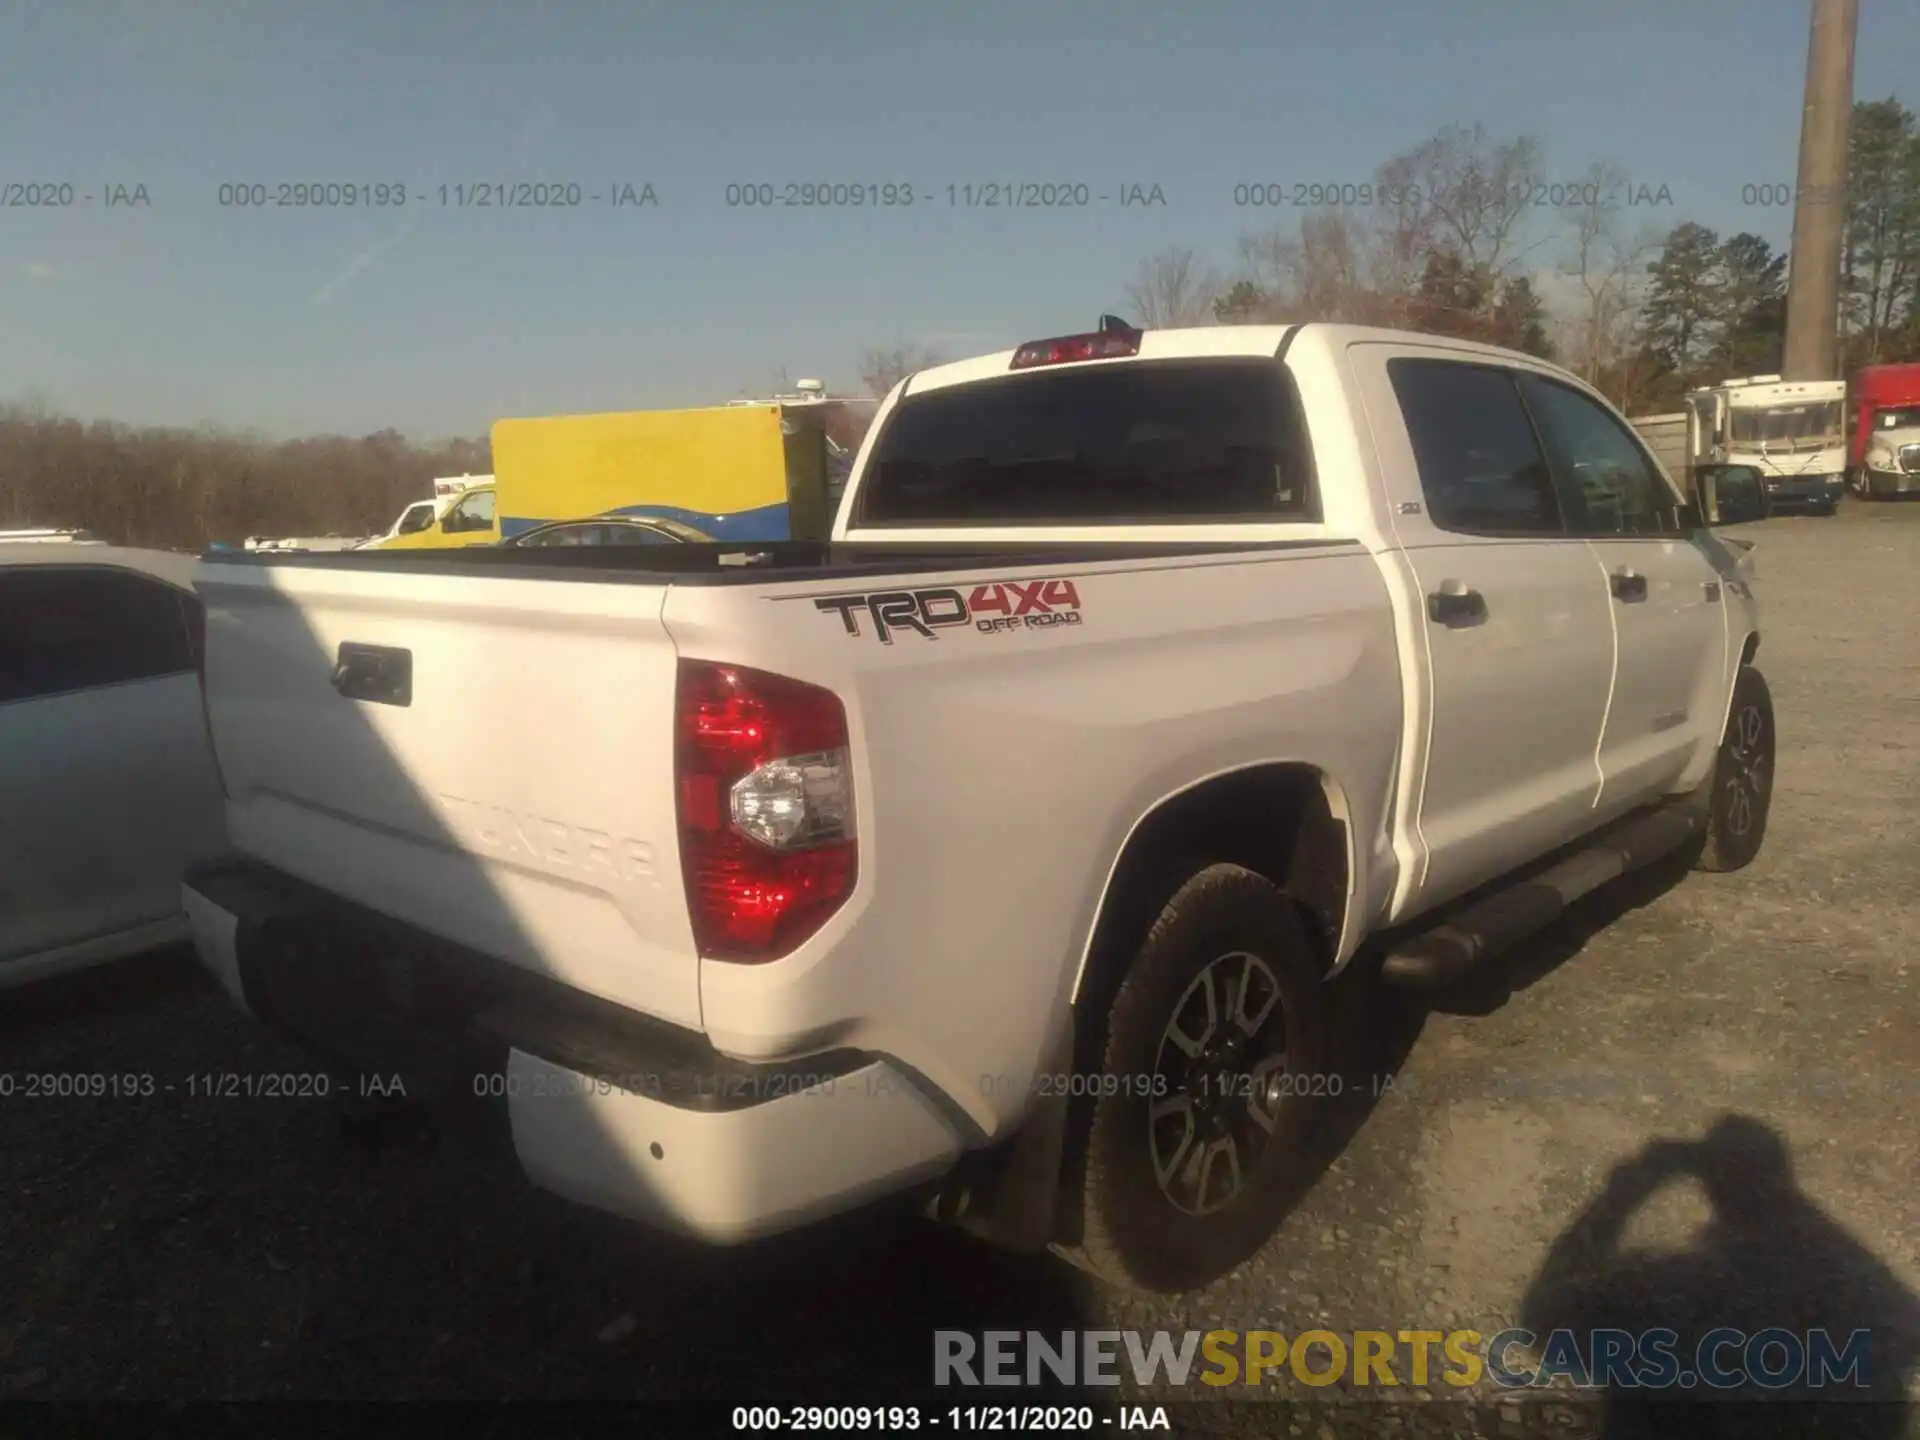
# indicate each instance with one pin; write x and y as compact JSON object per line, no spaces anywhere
{"x":1873,"y":394}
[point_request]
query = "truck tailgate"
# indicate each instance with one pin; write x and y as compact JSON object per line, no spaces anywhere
{"x":493,"y":763}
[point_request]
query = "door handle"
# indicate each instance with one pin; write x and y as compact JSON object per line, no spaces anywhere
{"x":1628,"y":585}
{"x":376,"y":673}
{"x":1455,"y":604}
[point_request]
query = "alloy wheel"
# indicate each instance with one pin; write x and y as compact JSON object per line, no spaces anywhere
{"x":1221,"y":1074}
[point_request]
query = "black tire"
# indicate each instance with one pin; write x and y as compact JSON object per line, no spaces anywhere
{"x":375,"y":1127}
{"x":1739,"y":793}
{"x":1135,"y":1233}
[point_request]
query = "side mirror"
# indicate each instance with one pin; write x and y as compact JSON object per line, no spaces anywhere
{"x":1731,"y":494}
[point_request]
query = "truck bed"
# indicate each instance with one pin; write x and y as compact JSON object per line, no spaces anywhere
{"x":747,"y":563}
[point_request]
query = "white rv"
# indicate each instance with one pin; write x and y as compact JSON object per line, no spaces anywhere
{"x":1791,"y":431}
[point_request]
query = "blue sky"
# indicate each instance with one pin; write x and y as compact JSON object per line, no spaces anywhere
{"x":437,"y":319}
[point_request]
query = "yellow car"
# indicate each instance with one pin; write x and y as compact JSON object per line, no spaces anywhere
{"x":469,"y":520}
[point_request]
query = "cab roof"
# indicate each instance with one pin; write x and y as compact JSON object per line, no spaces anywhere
{"x":1198,"y":341}
{"x":175,"y":567}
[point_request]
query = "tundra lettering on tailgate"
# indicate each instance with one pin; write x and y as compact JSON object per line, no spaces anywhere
{"x":993,"y":609}
{"x":549,"y":844}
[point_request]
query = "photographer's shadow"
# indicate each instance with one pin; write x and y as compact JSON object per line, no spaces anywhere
{"x":1769,"y":1259}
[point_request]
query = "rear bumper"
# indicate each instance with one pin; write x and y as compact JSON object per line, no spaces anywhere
{"x":600,"y":1105}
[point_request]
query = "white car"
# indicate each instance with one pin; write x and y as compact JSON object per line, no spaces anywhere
{"x":48,"y":537}
{"x":108,"y":789}
{"x":1001,"y":845}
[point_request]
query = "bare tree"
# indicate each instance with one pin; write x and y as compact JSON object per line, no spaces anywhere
{"x":1320,"y":271}
{"x":1174,"y":288}
{"x":882,"y":369}
{"x":1609,"y":275}
{"x":1466,"y":194}
{"x":1460,"y":196}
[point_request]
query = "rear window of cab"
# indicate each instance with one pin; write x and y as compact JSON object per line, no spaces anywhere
{"x":1150,"y":442}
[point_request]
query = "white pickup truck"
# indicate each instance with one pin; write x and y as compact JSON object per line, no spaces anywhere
{"x":996,"y":849}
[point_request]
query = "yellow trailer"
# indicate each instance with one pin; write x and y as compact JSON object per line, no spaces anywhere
{"x":734,"y":472}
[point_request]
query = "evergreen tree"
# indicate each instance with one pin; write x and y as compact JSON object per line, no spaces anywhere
{"x":1881,"y":265}
{"x":1684,"y":295}
{"x":1243,"y":304}
{"x":1520,"y":320}
{"x":1452,"y":298}
{"x":1751,"y":316}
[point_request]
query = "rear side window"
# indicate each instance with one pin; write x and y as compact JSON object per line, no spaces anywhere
{"x":63,"y":630}
{"x":633,"y":535}
{"x":1481,"y":466}
{"x":1139,"y":443}
{"x":560,"y":535}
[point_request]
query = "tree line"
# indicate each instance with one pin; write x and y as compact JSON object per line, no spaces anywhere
{"x":184,"y":488}
{"x":1461,"y":234}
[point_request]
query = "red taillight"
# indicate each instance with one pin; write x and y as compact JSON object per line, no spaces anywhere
{"x":765,"y":792}
{"x":1106,"y":345}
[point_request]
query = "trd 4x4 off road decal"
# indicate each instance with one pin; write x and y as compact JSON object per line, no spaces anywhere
{"x":992,"y":609}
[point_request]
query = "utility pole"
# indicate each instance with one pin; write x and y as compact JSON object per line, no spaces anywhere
{"x":1819,"y":210}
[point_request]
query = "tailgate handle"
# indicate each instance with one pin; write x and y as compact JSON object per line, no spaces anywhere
{"x":380,"y":674}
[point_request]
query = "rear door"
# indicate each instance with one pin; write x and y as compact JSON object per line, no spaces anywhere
{"x":1666,"y":597}
{"x":1517,"y":645}
{"x":487,"y":758}
{"x":107,"y":784}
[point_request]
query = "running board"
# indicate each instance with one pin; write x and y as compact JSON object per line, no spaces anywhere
{"x":1436,"y":958}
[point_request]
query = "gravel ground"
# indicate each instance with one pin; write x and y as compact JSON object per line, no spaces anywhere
{"x":179,"y":1247}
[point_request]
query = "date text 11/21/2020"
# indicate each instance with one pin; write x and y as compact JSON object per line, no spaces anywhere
{"x":1268,"y":1086}
{"x":200,"y":1085}
{"x":467,"y":195}
{"x":846,"y":1419}
{"x":971,"y":195}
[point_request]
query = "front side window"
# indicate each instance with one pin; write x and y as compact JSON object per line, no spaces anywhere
{"x":1608,"y":485}
{"x":473,"y":513}
{"x":1481,"y":467}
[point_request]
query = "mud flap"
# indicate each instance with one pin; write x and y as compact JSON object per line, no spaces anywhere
{"x":1014,"y":1202}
